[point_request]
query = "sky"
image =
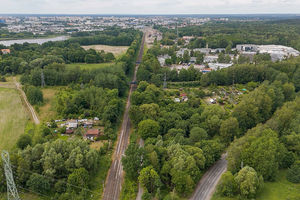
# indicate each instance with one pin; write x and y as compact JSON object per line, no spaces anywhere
{"x":149,"y":6}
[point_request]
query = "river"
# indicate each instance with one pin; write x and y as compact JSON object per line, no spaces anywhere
{"x":38,"y":41}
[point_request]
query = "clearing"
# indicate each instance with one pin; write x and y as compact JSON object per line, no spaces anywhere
{"x":14,"y":117}
{"x":90,"y":66}
{"x":116,"y":50}
{"x":47,"y":110}
{"x":281,"y":189}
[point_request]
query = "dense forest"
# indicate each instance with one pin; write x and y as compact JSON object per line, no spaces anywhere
{"x":223,"y":34}
{"x":110,"y":36}
{"x":25,"y":57}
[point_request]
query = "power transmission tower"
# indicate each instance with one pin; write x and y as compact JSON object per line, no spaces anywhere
{"x":12,"y":192}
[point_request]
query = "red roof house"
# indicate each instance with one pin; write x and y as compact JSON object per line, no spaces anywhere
{"x":5,"y":51}
{"x":91,"y":134}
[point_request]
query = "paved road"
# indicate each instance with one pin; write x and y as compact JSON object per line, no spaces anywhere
{"x":115,"y":175}
{"x":29,"y":106}
{"x":209,"y":180}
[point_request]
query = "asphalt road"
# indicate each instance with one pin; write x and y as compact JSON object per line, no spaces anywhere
{"x":115,"y":174}
{"x":209,"y":180}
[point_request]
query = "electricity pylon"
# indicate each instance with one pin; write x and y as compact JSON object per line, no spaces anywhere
{"x":12,"y":192}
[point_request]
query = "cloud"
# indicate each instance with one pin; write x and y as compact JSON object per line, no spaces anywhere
{"x":149,"y":6}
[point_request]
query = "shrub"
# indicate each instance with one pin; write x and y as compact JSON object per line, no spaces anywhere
{"x":293,"y":174}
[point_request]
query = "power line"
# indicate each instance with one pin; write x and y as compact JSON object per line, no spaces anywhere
{"x":97,"y":194}
{"x":37,"y":193}
{"x":54,"y":179}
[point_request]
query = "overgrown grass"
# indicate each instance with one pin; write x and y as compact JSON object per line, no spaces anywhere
{"x":23,"y":196}
{"x":281,"y":189}
{"x":98,"y":181}
{"x":90,"y":66}
{"x":13,"y":118}
{"x":47,"y":110}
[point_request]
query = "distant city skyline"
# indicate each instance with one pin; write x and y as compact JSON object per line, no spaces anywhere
{"x":149,"y":6}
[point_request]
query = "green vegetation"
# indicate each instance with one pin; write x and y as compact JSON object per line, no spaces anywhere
{"x":231,"y":33}
{"x":279,"y":189}
{"x":14,"y":118}
{"x":45,"y":160}
{"x":89,"y":66}
{"x":34,"y":95}
{"x":111,"y":36}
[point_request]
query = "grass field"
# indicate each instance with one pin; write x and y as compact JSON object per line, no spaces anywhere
{"x":13,"y":118}
{"x":281,"y":189}
{"x":89,"y":66}
{"x":116,"y":50}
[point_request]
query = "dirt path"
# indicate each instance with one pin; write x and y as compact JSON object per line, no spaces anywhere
{"x":114,"y":178}
{"x":29,"y":106}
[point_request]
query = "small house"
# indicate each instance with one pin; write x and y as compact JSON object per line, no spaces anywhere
{"x":91,"y":134}
{"x":5,"y":51}
{"x":72,"y":124}
{"x":177,"y":100}
{"x":88,"y":124}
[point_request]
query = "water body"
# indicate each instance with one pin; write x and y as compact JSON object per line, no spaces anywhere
{"x":38,"y":41}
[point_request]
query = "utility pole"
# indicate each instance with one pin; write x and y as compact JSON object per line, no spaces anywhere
{"x":177,"y":30}
{"x":12,"y":192}
{"x":42,"y":79}
{"x":165,"y":81}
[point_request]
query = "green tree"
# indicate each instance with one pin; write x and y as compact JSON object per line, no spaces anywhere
{"x":229,"y":129}
{"x":34,"y":95}
{"x":248,"y":182}
{"x":200,"y":58}
{"x":148,"y":128}
{"x":197,"y":134}
{"x":132,"y":161}
{"x":296,"y":79}
{"x":23,"y":141}
{"x":288,"y":91}
{"x":149,"y":179}
{"x":293,"y":174}
{"x":38,"y":183}
{"x":227,"y":185}
{"x":78,"y":179}
{"x":186,"y":56}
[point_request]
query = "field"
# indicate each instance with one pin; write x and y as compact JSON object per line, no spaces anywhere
{"x":281,"y":189}
{"x":89,"y":66}
{"x":116,"y":50}
{"x":13,"y":118}
{"x":47,"y":111}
